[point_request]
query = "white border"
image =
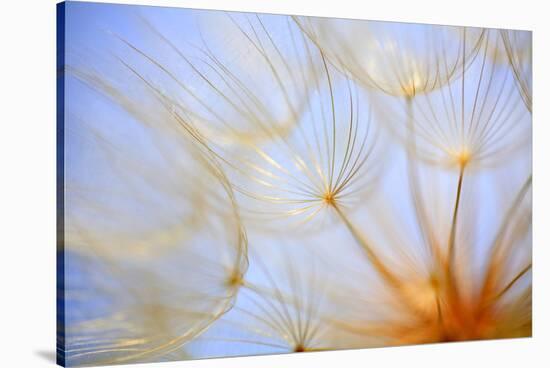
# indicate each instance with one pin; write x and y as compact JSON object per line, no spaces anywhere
{"x":27,"y":172}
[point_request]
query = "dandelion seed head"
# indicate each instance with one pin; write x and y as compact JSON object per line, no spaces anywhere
{"x":216,"y":170}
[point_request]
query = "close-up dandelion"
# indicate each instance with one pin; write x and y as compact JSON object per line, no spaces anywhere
{"x":242,"y":184}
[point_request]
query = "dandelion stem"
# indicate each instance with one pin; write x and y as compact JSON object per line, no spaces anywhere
{"x":497,"y":255}
{"x":452,"y":236}
{"x":379,"y":266}
{"x":513,"y":281}
{"x":413,"y":181}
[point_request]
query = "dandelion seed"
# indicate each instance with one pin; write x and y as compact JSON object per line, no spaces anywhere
{"x":292,"y":172}
{"x":280,"y":308}
{"x":476,"y":121}
{"x":397,"y":59}
{"x":431,"y":305}
{"x":165,"y":228}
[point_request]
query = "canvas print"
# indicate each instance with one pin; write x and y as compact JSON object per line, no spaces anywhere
{"x":234,"y":184}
